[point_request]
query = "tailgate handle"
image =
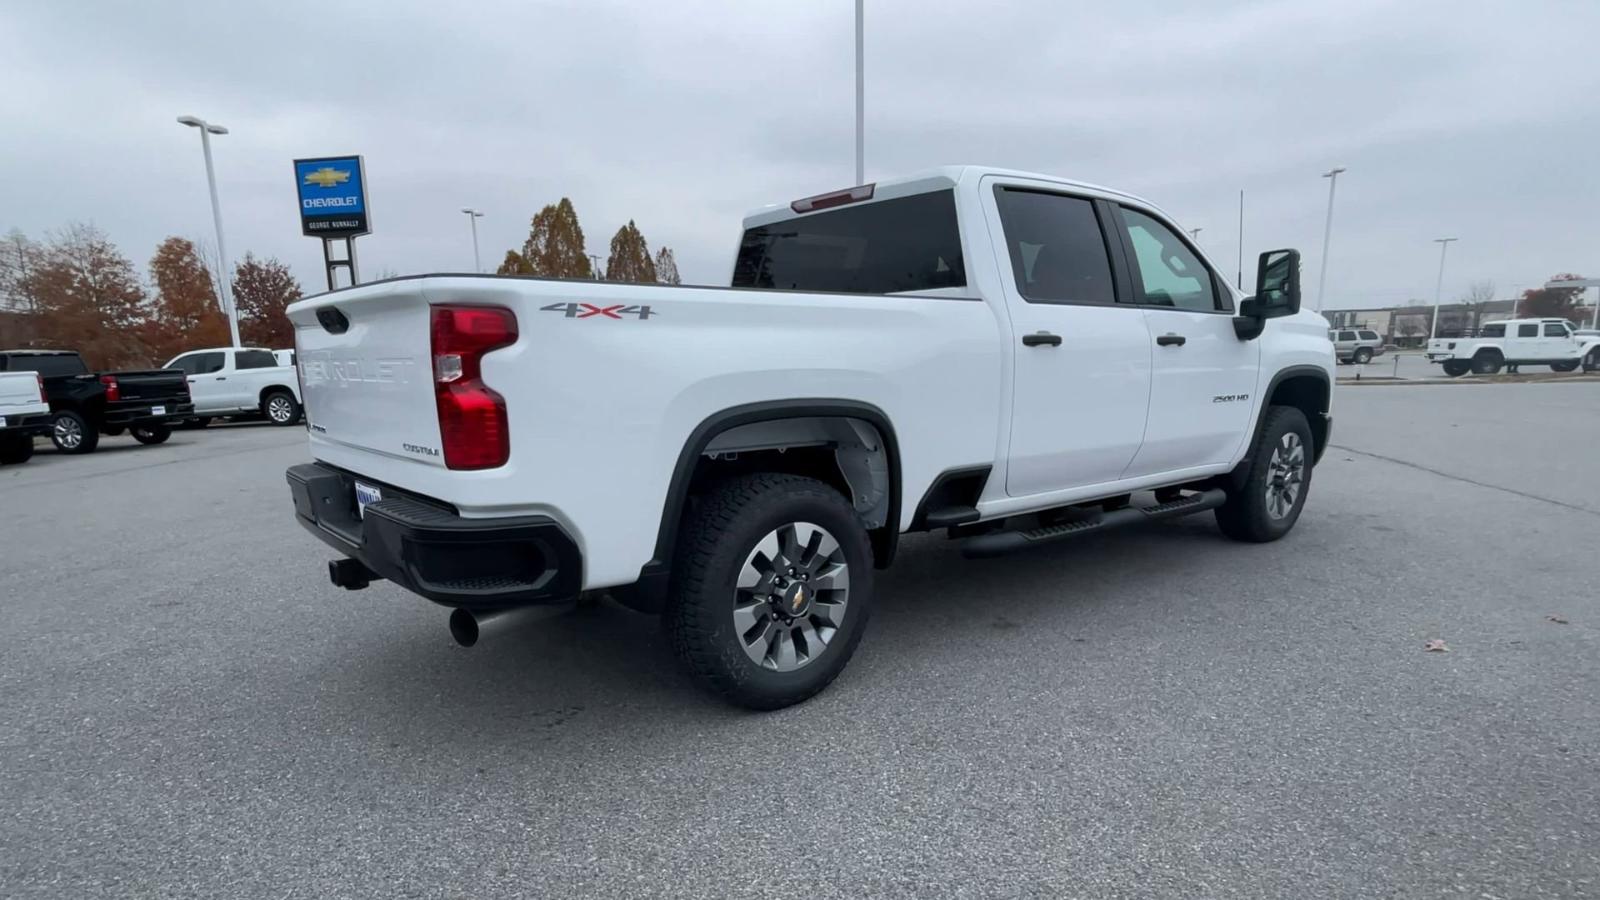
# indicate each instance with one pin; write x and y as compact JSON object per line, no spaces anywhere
{"x":333,"y":321}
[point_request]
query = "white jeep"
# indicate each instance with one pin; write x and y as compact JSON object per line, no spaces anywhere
{"x":1012,"y":359}
{"x":1514,"y":343}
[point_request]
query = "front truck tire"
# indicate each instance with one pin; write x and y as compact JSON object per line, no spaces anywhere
{"x":1268,"y":501}
{"x":772,"y":586}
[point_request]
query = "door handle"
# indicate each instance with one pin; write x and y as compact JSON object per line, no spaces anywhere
{"x":1041,"y":338}
{"x":1171,"y":340}
{"x":225,"y":378}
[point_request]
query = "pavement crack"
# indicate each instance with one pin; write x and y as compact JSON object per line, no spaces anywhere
{"x":1462,"y":478}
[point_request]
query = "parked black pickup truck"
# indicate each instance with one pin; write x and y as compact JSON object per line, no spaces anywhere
{"x":85,"y":404}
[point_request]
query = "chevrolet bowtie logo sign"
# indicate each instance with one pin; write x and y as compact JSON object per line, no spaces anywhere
{"x":326,"y":177}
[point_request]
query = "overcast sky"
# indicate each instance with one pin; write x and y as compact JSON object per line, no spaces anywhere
{"x":1474,"y":120}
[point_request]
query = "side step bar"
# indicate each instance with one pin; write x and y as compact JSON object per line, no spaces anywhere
{"x":1001,"y":542}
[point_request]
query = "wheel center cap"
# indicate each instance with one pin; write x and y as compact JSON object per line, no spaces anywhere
{"x":795,"y":601}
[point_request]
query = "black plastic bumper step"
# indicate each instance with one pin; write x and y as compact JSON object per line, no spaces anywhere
{"x":1001,"y":542}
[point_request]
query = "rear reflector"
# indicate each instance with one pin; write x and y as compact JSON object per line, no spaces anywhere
{"x":472,"y":418}
{"x":836,"y":198}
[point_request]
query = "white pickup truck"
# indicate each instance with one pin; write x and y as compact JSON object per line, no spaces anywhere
{"x":1516,"y":342}
{"x":24,"y":413}
{"x":1011,"y":358}
{"x":230,"y":381}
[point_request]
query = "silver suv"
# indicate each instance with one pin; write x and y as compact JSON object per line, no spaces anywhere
{"x":1357,"y":345}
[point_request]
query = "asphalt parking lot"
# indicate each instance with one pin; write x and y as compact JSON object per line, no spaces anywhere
{"x":189,"y":709}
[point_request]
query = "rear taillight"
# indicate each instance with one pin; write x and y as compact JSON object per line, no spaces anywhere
{"x":39,"y":378}
{"x":472,"y":418}
{"x":113,"y":391}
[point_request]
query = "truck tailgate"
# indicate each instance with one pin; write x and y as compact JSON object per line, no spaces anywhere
{"x":152,"y":385}
{"x":366,"y":371}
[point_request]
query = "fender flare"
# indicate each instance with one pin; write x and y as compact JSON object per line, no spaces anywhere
{"x":1282,"y":375}
{"x":649,"y":593}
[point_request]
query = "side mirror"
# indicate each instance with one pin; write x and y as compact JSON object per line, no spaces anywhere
{"x":1277,"y":292}
{"x":1277,"y":284}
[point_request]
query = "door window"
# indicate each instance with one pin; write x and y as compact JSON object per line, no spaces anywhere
{"x":1170,"y":273}
{"x":1058,"y":252}
{"x":1555,"y":330}
{"x":1529,"y":330}
{"x":254,"y":359}
{"x":1347,"y":335}
{"x":206,"y":363}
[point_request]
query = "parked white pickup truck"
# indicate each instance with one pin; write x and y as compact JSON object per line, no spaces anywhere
{"x":1012,"y":358}
{"x":1516,"y":342}
{"x":24,"y":413}
{"x":230,"y":381}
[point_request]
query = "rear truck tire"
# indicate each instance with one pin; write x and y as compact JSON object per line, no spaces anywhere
{"x":1363,"y":356}
{"x":1566,"y":366}
{"x":1487,"y":362}
{"x":1269,"y":501}
{"x":280,"y":408}
{"x":151,"y":434}
{"x":16,"y":448}
{"x":1456,"y":368}
{"x":772,"y":586}
{"x":72,"y":433}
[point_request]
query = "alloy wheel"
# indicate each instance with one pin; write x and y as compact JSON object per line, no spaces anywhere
{"x":67,"y":433}
{"x":1285,"y":475}
{"x":279,"y":410}
{"x":791,"y":596}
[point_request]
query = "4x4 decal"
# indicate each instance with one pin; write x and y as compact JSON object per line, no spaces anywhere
{"x":589,"y":310}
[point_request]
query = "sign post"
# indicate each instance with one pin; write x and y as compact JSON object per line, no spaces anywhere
{"x":333,"y":206}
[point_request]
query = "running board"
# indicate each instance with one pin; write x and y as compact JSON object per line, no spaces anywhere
{"x":1001,"y":542}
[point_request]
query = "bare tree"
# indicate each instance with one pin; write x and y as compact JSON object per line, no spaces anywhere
{"x":1479,"y":295}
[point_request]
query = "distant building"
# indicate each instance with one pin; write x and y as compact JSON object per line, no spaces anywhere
{"x":1410,"y":326}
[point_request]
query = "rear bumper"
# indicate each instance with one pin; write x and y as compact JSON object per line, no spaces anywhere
{"x":425,"y":547}
{"x":33,"y":424}
{"x":144,"y":414}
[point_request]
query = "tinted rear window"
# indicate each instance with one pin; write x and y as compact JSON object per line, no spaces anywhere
{"x":47,"y":365}
{"x":906,"y":244}
{"x":1369,"y":335}
{"x":254,"y":359}
{"x":1493,"y":331}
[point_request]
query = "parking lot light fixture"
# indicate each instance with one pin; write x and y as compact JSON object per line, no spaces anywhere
{"x":207,"y":129}
{"x":1438,"y":286}
{"x":1327,"y":233}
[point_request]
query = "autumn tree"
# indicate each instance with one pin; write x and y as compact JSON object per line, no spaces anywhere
{"x":1552,"y":303}
{"x":515,"y":264}
{"x":667,"y":267}
{"x":554,"y":248}
{"x":261,"y":290}
{"x":89,"y":298}
{"x":1479,"y":295}
{"x":185,"y":313}
{"x":630,"y":257}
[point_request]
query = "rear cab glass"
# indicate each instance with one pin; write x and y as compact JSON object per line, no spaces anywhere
{"x":254,"y":359}
{"x":1493,"y":331}
{"x":47,"y":364}
{"x":903,"y":244}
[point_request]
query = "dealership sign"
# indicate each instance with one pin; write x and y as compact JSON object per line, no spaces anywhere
{"x":333,"y":196}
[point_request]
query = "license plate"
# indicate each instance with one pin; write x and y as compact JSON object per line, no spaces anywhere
{"x":158,"y":410}
{"x":366,"y":493}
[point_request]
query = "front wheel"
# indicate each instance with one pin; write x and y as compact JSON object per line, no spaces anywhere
{"x":151,"y":434}
{"x":72,"y":433}
{"x":1269,"y":501}
{"x":280,"y":408}
{"x":772,"y":585}
{"x":1456,"y":368}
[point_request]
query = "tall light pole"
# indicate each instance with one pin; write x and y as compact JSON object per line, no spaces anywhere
{"x":1438,"y":286}
{"x":207,"y":129}
{"x":473,"y":216}
{"x":861,"y":97}
{"x":1327,"y":233}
